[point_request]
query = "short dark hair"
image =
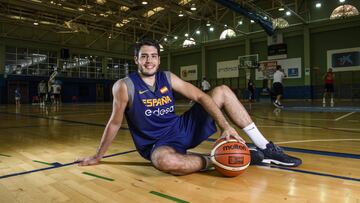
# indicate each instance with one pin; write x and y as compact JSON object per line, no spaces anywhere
{"x":146,"y":41}
{"x":278,"y":67}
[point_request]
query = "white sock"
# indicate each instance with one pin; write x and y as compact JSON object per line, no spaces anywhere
{"x":208,"y":164}
{"x":255,"y":135}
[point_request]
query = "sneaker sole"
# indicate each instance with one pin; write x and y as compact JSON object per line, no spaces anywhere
{"x":270,"y":161}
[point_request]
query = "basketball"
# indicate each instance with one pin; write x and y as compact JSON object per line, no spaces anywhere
{"x":230,"y":157}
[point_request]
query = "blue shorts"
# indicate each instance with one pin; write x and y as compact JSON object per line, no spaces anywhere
{"x":195,"y":126}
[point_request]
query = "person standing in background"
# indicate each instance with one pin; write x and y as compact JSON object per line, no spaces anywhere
{"x":251,"y":88}
{"x":205,"y":85}
{"x":17,"y":96}
{"x":56,"y":90}
{"x":329,"y":86}
{"x":42,"y":91}
{"x":279,"y":75}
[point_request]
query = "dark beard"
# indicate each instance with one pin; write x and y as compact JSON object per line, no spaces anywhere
{"x":147,"y":74}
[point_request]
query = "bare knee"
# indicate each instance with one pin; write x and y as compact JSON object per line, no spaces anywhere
{"x":165,"y":159}
{"x":220,"y":93}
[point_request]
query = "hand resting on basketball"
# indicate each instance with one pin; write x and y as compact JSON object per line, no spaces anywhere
{"x":87,"y":161}
{"x":229,"y":133}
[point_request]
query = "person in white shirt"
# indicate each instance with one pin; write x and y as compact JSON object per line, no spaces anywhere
{"x":278,"y":87}
{"x":56,"y":89}
{"x":42,"y":91}
{"x":205,"y":85}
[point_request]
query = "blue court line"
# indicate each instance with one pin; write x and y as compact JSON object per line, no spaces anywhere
{"x":309,"y":151}
{"x":58,"y":165}
{"x":324,"y":153}
{"x":315,"y":173}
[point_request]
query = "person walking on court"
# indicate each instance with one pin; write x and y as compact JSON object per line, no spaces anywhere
{"x":146,"y":100}
{"x":205,"y":85}
{"x":329,"y":86}
{"x":17,"y":96}
{"x":42,"y":92}
{"x":278,"y":87}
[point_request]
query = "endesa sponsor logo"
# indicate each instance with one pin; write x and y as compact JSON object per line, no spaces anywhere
{"x":159,"y":111}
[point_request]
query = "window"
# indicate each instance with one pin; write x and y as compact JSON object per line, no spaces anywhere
{"x":189,"y":42}
{"x":280,"y":23}
{"x":228,"y":33}
{"x":344,"y":11}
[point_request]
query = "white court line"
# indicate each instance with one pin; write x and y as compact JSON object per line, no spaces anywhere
{"x":324,"y":140}
{"x":306,"y":127}
{"x":302,"y":118}
{"x":344,"y":116}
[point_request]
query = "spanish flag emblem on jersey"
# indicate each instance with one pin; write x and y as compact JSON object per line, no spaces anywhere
{"x":163,"y":90}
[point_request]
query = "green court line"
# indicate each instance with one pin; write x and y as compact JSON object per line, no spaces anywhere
{"x":5,"y":155}
{"x":43,"y":162}
{"x":168,"y":197}
{"x":97,"y":176}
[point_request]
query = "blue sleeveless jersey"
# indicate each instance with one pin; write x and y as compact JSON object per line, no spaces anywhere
{"x":153,"y":123}
{"x":152,"y":114}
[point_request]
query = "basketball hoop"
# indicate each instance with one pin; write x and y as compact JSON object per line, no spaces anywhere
{"x":247,"y":63}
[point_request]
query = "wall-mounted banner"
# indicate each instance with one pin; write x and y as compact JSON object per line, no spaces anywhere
{"x":292,"y":68}
{"x":227,"y":69}
{"x":188,"y":73}
{"x":344,"y":59}
{"x":266,"y":70}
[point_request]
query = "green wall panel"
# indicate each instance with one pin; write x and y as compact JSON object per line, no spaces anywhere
{"x":222,"y":54}
{"x":193,"y":58}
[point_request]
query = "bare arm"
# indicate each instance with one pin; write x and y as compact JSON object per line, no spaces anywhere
{"x":119,"y":104}
{"x":195,"y":94}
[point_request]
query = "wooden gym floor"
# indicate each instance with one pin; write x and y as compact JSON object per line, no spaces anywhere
{"x":38,"y":147}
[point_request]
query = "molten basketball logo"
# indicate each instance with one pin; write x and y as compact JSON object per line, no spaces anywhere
{"x":235,"y":146}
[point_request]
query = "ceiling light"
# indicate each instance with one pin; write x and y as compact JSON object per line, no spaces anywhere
{"x":186,"y":35}
{"x":165,"y":39}
{"x":318,"y":5}
{"x":251,"y":21}
{"x":281,"y":9}
{"x":36,"y":23}
{"x":81,"y":9}
{"x":144,"y":2}
{"x":181,"y":14}
{"x":193,"y":8}
{"x":288,"y":13}
{"x":208,"y":24}
{"x":211,"y":29}
{"x":341,"y":1}
{"x":265,"y":17}
{"x":197,"y":32}
{"x":175,"y":37}
{"x":240,"y":22}
{"x":101,"y":2}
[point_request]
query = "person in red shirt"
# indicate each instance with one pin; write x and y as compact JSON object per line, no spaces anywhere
{"x":329,"y":86}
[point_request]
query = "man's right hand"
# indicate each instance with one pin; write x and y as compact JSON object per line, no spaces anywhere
{"x":88,"y":161}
